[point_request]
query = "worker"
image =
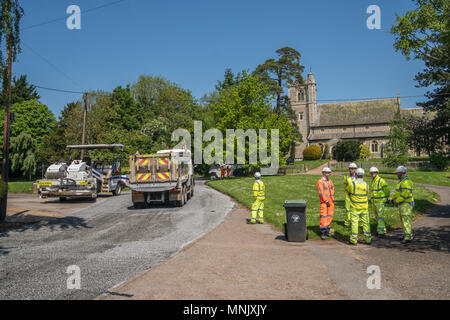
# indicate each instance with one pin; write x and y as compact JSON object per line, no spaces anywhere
{"x":222,"y":172}
{"x":347,"y":181}
{"x":325,"y":187}
{"x":404,"y":199}
{"x":259,"y":191}
{"x":359,"y":207}
{"x":379,"y":194}
{"x":228,"y":171}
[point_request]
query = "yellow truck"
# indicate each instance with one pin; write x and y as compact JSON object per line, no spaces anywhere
{"x":165,"y":177}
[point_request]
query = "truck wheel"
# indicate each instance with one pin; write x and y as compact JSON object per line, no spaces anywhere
{"x":181,"y":202}
{"x":118,"y":190}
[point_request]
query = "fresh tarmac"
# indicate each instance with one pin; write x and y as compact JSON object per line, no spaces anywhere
{"x":110,"y":242}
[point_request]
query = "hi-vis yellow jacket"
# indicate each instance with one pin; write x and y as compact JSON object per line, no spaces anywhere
{"x":359,"y":194}
{"x":404,"y":191}
{"x":259,"y":190}
{"x":379,"y":190}
{"x":348,"y":180}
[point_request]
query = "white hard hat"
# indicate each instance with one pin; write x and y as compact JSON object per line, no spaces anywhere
{"x":257,"y":175}
{"x":326,"y":169}
{"x":373,"y":169}
{"x":401,"y":169}
{"x":352,"y":166}
{"x":360,"y":172}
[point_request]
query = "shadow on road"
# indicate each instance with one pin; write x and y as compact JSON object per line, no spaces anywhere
{"x":426,"y":239}
{"x":3,"y":251}
{"x":51,"y":224}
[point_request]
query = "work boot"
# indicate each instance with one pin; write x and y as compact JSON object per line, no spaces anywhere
{"x":251,"y":222}
{"x":328,"y":234}
{"x":405,"y":241}
{"x":352,"y":244}
{"x":381,"y":236}
{"x":322,"y":236}
{"x":261,"y":221}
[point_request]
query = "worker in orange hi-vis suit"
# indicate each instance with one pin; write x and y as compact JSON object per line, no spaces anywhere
{"x":325,"y":187}
{"x":228,"y":171}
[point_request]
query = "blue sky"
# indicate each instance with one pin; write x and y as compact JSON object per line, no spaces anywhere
{"x":192,"y":42}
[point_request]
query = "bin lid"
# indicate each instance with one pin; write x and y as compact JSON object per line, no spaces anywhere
{"x":294,"y":203}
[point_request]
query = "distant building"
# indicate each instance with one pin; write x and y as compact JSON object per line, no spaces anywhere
{"x":326,"y":124}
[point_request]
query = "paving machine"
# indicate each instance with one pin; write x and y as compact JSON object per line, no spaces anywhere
{"x":83,"y":178}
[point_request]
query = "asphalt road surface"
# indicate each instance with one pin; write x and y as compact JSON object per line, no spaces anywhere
{"x":110,"y":242}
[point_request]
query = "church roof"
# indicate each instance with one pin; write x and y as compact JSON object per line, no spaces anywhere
{"x":348,"y":135}
{"x":356,"y":112}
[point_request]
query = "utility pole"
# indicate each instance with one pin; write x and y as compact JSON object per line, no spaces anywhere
{"x":6,"y":131}
{"x":83,"y":137}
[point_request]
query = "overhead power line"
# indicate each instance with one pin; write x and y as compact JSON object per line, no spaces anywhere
{"x":53,"y":66}
{"x":65,"y":17}
{"x":58,"y":90}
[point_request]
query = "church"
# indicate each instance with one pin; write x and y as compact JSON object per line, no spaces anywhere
{"x":326,"y":124}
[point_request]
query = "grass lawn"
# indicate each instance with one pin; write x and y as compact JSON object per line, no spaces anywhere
{"x":20,"y":186}
{"x":312,"y":163}
{"x":303,"y":187}
{"x":438,"y":178}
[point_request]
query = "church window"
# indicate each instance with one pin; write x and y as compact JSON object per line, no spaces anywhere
{"x":301,"y":96}
{"x":300,"y":117}
{"x":374,"y":146}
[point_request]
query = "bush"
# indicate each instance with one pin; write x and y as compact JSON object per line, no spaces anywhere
{"x":347,"y":150}
{"x":439,"y":160}
{"x":313,"y":152}
{"x":364,"y":152}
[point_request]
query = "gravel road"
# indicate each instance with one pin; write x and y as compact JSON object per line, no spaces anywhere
{"x":110,"y":242}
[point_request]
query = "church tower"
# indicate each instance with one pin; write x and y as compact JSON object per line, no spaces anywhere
{"x":303,"y":100}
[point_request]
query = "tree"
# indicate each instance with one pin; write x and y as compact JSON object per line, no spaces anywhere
{"x":276,"y":73}
{"x":21,"y":91}
{"x":10,"y":15}
{"x":397,"y":146}
{"x":165,"y":107}
{"x":23,"y":154}
{"x":423,"y":137}
{"x":247,"y":106}
{"x":364,"y":152}
{"x":423,"y":33}
{"x":32,"y":117}
{"x":347,"y":150}
{"x":229,"y":80}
